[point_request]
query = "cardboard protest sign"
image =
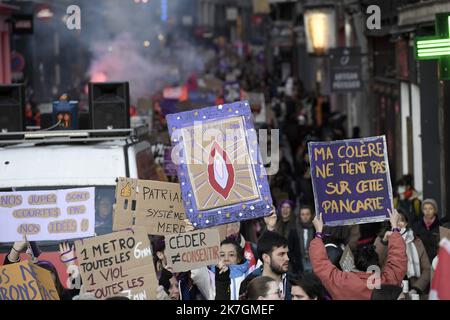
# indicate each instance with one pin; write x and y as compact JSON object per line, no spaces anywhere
{"x":347,"y":261}
{"x":157,"y":206}
{"x":118,"y":264}
{"x":47,"y":215}
{"x":26,"y":281}
{"x":444,"y":233}
{"x":123,"y":213}
{"x":351,"y":180}
{"x":220,"y":169}
{"x":192,"y":250}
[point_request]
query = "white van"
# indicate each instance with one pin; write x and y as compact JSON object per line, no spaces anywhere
{"x":49,"y":160}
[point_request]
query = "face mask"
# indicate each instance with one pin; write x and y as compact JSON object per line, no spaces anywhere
{"x":401,"y":189}
{"x":402,"y":230}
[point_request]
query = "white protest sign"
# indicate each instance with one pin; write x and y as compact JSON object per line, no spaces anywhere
{"x":47,"y":215}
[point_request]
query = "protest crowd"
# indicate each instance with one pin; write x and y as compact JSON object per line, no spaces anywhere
{"x":290,"y":253}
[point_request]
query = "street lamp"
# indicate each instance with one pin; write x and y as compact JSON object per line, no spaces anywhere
{"x":320,"y":29}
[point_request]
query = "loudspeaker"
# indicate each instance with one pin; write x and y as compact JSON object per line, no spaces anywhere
{"x":109,"y":105}
{"x":12,"y":108}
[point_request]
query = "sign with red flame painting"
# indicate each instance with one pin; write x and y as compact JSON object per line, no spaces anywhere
{"x":219,"y":165}
{"x":220,"y":171}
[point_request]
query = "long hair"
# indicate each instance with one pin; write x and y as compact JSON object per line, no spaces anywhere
{"x":282,"y":227}
{"x":310,"y":284}
{"x":258,"y":287}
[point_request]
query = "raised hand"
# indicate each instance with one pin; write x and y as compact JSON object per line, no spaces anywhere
{"x":222,"y":267}
{"x":189,"y":226}
{"x":20,"y":246}
{"x":387,"y":235}
{"x":318,"y":223}
{"x":394,"y":217}
{"x":17,"y":248}
{"x":67,"y":253}
{"x":271,"y":220}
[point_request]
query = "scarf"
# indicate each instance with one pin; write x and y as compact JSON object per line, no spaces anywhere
{"x":413,"y":255}
{"x":428,"y":225}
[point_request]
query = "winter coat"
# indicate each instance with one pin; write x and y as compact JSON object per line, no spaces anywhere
{"x":430,"y":238}
{"x":354,"y":285}
{"x":421,"y":284}
{"x":284,"y":228}
{"x":296,"y":244}
{"x":228,"y":283}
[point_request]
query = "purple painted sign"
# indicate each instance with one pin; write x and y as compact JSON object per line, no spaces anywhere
{"x":220,"y":168}
{"x":351,"y":180}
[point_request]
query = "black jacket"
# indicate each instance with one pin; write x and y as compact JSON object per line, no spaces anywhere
{"x":223,"y":285}
{"x":297,"y":247}
{"x":430,"y":238}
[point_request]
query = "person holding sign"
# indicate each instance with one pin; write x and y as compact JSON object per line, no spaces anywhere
{"x":14,"y":257}
{"x":359,"y":285}
{"x":14,"y":254}
{"x":230,"y":271}
{"x":419,"y":268}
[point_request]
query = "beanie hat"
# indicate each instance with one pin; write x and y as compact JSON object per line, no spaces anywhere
{"x":432,"y":202}
{"x":289,"y":202}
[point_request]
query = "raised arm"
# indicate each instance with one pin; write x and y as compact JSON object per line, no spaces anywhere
{"x":397,"y":262}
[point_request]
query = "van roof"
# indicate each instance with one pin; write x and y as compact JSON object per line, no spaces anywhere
{"x":34,"y":165}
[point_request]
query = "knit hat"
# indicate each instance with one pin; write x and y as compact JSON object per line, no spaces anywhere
{"x":432,"y":202}
{"x":289,"y":202}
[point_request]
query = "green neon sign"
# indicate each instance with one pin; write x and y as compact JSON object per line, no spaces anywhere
{"x":436,"y":47}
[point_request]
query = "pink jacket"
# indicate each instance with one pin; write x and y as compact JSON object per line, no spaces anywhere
{"x":353,"y":285}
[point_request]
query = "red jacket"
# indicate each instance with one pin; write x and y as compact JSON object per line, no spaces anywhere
{"x":353,"y":285}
